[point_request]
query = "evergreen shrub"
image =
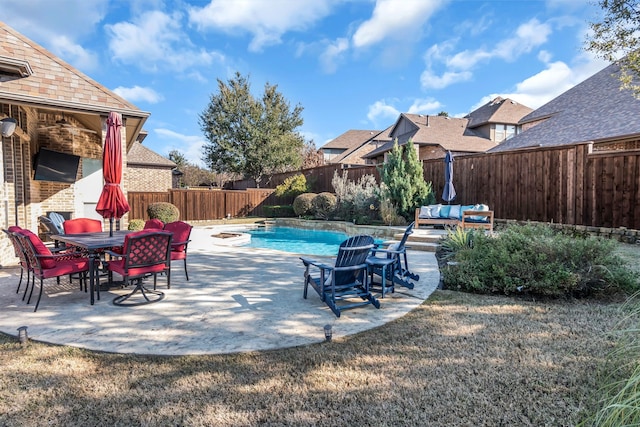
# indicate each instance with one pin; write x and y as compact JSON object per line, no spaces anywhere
{"x":164,"y":211}
{"x":302,"y":204}
{"x":292,"y":186}
{"x":279,"y":211}
{"x":536,"y":260}
{"x":136,"y":224}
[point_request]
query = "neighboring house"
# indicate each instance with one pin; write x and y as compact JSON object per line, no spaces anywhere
{"x":595,"y":110}
{"x":148,"y":170}
{"x":478,"y":132}
{"x":349,"y":147}
{"x":498,"y":119}
{"x":57,"y":108}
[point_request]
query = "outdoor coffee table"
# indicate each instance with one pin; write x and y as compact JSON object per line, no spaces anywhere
{"x":93,"y":243}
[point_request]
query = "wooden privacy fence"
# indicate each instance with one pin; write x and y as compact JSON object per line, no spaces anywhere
{"x":569,"y":184}
{"x":202,"y":205}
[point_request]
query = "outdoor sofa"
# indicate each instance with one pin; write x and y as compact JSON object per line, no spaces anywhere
{"x":465,"y":216}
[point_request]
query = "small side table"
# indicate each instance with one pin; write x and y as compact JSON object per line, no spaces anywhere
{"x":384,"y":267}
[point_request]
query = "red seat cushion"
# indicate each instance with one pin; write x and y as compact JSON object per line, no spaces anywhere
{"x":40,"y":249}
{"x":117,"y":266}
{"x":153,"y":224}
{"x":82,"y":225}
{"x":67,"y":266}
{"x":178,"y":255}
{"x":181,"y":232}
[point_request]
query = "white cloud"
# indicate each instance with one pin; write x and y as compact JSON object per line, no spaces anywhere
{"x":44,"y":21}
{"x":458,"y":66}
{"x":155,"y":40}
{"x":528,"y":36}
{"x":555,"y":79}
{"x":137,"y":93}
{"x":382,"y":114}
{"x":267,"y":21}
{"x":424,"y":106}
{"x":189,"y":145}
{"x":332,"y":54}
{"x":392,"y":18}
{"x":428,"y":80}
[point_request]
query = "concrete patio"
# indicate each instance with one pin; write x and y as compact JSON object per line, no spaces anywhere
{"x":237,"y":300}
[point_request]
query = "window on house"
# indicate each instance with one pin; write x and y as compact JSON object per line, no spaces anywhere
{"x":504,"y":132}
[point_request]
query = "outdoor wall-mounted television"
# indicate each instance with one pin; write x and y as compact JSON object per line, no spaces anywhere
{"x":54,"y":166}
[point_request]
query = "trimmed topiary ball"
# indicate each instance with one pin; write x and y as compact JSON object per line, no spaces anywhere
{"x":136,"y":224}
{"x":164,"y":211}
{"x":302,"y":204}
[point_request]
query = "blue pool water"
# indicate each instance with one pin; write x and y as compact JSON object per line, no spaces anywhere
{"x":296,"y":240}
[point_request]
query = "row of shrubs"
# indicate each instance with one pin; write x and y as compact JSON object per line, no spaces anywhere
{"x":533,"y":260}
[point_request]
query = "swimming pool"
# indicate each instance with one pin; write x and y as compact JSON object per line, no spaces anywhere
{"x":297,"y":240}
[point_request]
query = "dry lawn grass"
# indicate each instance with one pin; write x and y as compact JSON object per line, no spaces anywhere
{"x":458,"y":360}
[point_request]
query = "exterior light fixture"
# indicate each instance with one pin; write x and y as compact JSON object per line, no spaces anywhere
{"x":22,"y":335}
{"x":328,"y":333}
{"x":8,"y":126}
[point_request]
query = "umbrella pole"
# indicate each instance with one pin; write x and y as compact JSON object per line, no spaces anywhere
{"x":111,"y":227}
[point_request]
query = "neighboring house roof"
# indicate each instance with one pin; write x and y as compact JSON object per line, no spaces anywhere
{"x":593,"y":110}
{"x":50,"y":83}
{"x":140,"y":155}
{"x":450,"y":133}
{"x":350,"y":141}
{"x":498,"y":110}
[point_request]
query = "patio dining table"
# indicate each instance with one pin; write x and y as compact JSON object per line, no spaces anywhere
{"x":94,"y":244}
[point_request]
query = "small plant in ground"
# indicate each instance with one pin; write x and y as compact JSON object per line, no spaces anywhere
{"x":389,"y":213}
{"x":292,"y":186}
{"x":323,"y":205}
{"x":538,"y":261}
{"x":136,"y":224}
{"x":164,"y":211}
{"x":302,"y":204}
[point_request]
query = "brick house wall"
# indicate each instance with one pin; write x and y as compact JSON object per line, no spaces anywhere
{"x":148,"y":178}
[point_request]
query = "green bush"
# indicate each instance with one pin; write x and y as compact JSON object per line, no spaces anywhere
{"x":302,"y":204}
{"x":537,"y":261}
{"x":292,"y":186}
{"x":279,"y":211}
{"x":165,"y":212}
{"x":136,"y":224}
{"x":323,"y":205}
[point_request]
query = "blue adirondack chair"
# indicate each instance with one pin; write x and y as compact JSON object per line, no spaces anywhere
{"x":344,"y":285}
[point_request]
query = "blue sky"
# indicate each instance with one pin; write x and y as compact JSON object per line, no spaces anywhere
{"x":351,"y":64}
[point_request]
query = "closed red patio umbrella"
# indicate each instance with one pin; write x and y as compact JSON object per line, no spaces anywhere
{"x":112,"y":203}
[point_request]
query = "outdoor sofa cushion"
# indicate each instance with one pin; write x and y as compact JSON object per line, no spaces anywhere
{"x":452,"y":212}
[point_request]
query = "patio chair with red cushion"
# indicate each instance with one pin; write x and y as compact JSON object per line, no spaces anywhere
{"x":44,"y":264}
{"x":153,"y":223}
{"x":82,"y":225}
{"x":181,"y":233}
{"x":21,"y":255}
{"x":145,"y":253}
